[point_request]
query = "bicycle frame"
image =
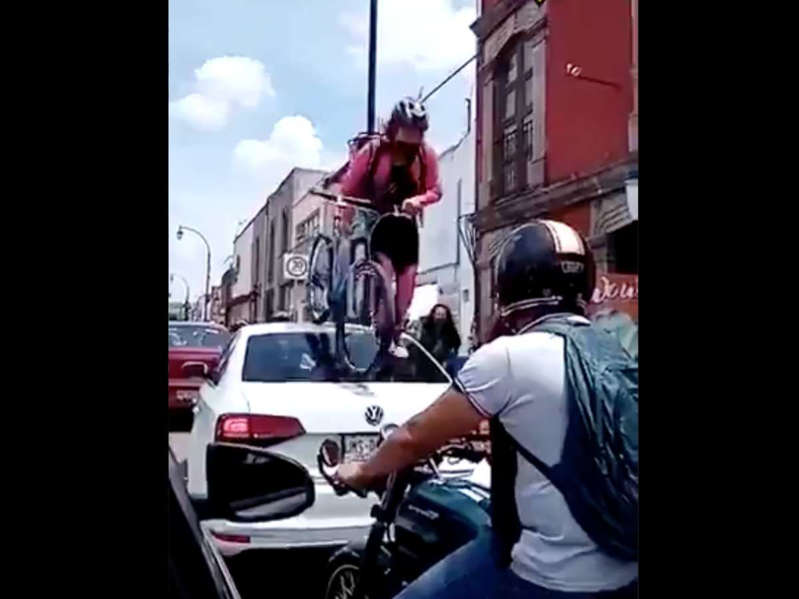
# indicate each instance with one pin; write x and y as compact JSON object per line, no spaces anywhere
{"x":344,"y":270}
{"x":345,"y":250}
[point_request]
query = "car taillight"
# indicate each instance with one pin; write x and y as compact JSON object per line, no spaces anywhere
{"x":261,"y":430}
{"x":230,"y":538}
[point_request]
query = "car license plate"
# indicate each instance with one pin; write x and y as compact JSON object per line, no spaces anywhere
{"x":186,"y":395}
{"x":358,"y":448}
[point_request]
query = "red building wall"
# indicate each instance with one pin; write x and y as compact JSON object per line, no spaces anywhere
{"x":586,"y":123}
{"x":577,"y":216}
{"x":488,"y":4}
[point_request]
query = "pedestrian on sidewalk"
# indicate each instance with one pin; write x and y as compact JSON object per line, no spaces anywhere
{"x":439,"y":334}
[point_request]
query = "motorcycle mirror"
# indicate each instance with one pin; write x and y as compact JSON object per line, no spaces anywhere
{"x":331,"y":453}
{"x":387,"y":430}
{"x":250,"y":484}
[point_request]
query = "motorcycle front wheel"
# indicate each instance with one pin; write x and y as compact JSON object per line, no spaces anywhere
{"x":344,"y":573}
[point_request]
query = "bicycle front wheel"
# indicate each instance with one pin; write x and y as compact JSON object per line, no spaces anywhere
{"x":320,"y":279}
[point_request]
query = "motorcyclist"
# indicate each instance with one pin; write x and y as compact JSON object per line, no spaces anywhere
{"x":543,"y":270}
{"x":397,"y":169}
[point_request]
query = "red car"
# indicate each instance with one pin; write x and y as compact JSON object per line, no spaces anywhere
{"x":194,"y":347}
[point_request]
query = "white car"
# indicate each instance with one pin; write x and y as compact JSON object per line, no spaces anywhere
{"x":274,"y":388}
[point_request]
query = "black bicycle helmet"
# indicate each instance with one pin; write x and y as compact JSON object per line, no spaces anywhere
{"x":409,"y":112}
{"x":544,"y":263}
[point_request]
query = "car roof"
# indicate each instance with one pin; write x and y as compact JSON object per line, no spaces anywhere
{"x":194,"y":323}
{"x":293,"y":327}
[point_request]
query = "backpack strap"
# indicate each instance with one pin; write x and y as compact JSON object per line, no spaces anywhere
{"x":540,"y":466}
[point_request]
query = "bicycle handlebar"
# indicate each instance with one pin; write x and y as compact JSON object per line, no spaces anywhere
{"x":358,"y":203}
{"x":340,"y":199}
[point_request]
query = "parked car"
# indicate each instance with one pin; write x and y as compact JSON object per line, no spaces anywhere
{"x":194,"y":348}
{"x":246,"y":484}
{"x":275,"y":387}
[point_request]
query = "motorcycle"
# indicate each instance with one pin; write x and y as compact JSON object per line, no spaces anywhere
{"x":422,"y":517}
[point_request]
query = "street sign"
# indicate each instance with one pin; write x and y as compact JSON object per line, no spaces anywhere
{"x":295,"y":266}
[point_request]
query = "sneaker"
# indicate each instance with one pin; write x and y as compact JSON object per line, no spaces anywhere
{"x":398,"y":351}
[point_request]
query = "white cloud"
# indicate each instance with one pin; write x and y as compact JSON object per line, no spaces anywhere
{"x":235,"y":79}
{"x":426,"y":34}
{"x":203,"y":113}
{"x":292,"y":142}
{"x":221,"y":84}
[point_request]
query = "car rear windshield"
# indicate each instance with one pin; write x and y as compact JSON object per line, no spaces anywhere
{"x":308,"y":357}
{"x":197,"y":336}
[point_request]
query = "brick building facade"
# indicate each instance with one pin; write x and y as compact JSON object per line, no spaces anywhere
{"x":557,"y":128}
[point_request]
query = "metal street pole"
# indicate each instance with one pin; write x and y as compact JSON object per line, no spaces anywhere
{"x":207,"y":286}
{"x":181,"y":228}
{"x":372,"y":65}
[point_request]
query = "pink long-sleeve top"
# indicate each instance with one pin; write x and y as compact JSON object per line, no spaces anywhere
{"x":355,"y":182}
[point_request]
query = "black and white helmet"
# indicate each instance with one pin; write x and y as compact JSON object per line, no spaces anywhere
{"x":409,"y":112}
{"x":544,"y":263}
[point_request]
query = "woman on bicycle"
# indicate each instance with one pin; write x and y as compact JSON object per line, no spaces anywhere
{"x":397,"y":169}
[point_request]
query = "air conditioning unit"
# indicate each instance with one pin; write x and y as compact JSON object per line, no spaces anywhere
{"x":295,"y":267}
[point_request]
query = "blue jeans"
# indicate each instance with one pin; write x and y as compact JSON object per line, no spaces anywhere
{"x":471,"y":572}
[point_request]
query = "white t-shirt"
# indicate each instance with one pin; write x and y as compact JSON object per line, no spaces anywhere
{"x":522,"y":379}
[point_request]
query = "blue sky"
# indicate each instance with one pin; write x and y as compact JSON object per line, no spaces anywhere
{"x":259,"y":86}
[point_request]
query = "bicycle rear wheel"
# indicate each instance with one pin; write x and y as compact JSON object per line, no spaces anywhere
{"x":369,"y":275}
{"x":320,"y":279}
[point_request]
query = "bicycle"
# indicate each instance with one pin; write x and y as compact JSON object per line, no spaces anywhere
{"x":334,"y":273}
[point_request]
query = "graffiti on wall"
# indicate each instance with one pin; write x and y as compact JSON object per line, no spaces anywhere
{"x":614,"y":307}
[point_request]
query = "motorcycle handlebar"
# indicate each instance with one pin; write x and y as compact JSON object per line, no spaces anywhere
{"x":463,"y":452}
{"x":459,"y":451}
{"x":338,"y":486}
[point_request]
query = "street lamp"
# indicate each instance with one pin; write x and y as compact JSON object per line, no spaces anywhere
{"x":186,"y":283}
{"x":181,"y":228}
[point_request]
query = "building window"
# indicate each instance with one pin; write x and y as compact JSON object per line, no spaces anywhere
{"x":513,"y":118}
{"x":270,"y":261}
{"x":513,"y":67}
{"x":270,"y":303}
{"x":257,"y":273}
{"x":285,"y":297}
{"x":284,"y":233}
{"x":316,"y":224}
{"x":308,"y":228}
{"x":527,"y":137}
{"x":510,"y":104}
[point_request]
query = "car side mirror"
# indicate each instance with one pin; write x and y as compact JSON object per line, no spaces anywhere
{"x":250,"y":484}
{"x":195,"y":370}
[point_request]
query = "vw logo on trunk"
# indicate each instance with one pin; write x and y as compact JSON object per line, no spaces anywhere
{"x":374,"y":415}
